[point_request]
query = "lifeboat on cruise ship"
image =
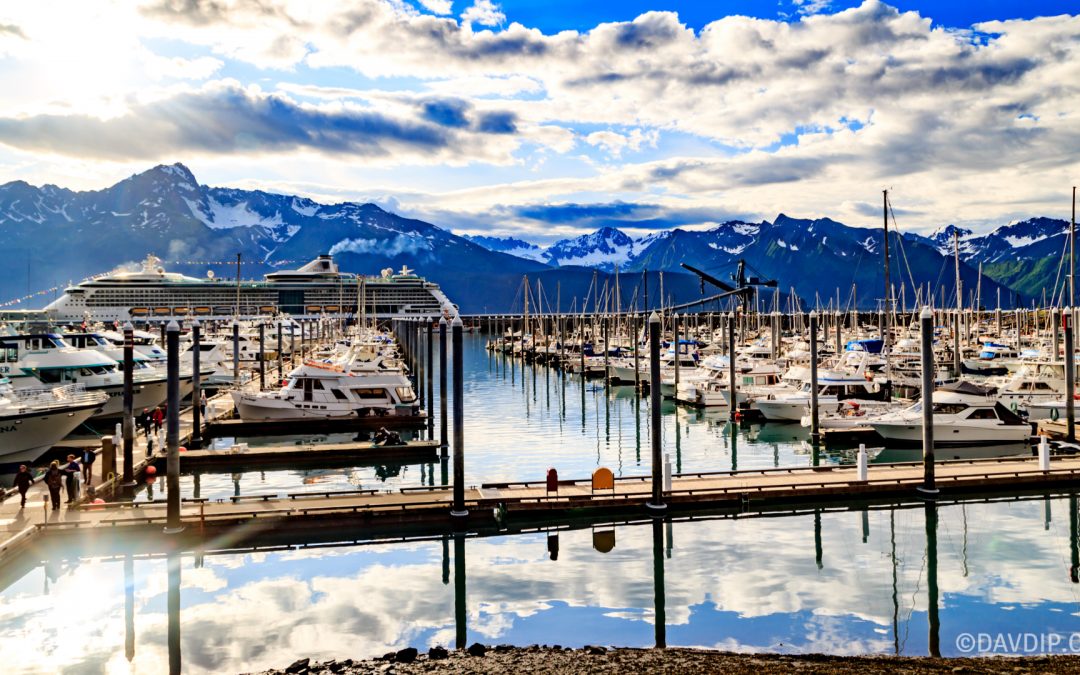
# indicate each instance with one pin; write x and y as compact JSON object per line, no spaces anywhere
{"x":223,"y":310}
{"x":330,"y":308}
{"x":267,"y":309}
{"x":139,"y":311}
{"x":202,"y":311}
{"x":314,"y":309}
{"x":162,"y":311}
{"x":181,"y":311}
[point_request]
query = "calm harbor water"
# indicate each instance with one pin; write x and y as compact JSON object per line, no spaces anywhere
{"x":845,"y":582}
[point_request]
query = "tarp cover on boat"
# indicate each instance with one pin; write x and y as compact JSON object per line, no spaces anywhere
{"x":965,"y":387}
{"x":872,"y":346}
{"x":1007,"y":416}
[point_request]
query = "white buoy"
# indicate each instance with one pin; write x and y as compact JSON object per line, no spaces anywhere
{"x":1044,"y":454}
{"x":667,"y":472}
{"x":861,"y":462}
{"x":119,"y":435}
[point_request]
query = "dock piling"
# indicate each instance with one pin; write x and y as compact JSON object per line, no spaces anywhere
{"x":1070,"y":376}
{"x":196,"y":385}
{"x":926,"y":337}
{"x":128,"y":433}
{"x":443,"y":445}
{"x":172,"y":428}
{"x":459,"y":510}
{"x":815,"y":431}
{"x":657,"y":503}
{"x":733,"y":401}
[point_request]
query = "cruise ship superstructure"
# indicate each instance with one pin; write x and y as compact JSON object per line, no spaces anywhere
{"x":318,"y":288}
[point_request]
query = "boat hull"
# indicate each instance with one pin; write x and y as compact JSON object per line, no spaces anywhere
{"x":26,"y":437}
{"x":909,"y":432}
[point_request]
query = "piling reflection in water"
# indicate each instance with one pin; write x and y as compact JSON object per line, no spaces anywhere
{"x":747,"y":581}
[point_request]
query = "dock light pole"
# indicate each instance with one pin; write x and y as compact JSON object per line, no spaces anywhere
{"x":1070,"y":376}
{"x":815,"y":430}
{"x":443,"y":445}
{"x":172,"y":427}
{"x":128,"y":479}
{"x":459,"y":510}
{"x":926,"y":337}
{"x":656,"y":503}
{"x":196,"y":386}
{"x":734,"y":400}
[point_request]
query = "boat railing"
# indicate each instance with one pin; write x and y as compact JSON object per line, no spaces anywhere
{"x":66,"y":394}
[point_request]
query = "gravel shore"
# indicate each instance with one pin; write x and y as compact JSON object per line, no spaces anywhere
{"x":508,"y":660}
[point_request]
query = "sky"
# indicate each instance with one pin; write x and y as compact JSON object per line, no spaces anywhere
{"x":542,"y":119}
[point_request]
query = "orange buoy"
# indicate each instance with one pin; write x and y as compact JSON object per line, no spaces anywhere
{"x":151,"y":470}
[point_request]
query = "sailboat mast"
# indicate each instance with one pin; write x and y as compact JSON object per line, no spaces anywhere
{"x":888,"y":286}
{"x":956,"y":258}
{"x":1072,"y":253}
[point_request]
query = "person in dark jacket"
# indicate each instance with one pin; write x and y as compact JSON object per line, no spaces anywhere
{"x":88,"y":465}
{"x":71,"y":469}
{"x":23,"y":481}
{"x":145,"y":422}
{"x":54,"y":479}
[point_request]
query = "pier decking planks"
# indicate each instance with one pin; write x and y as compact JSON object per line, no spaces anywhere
{"x":429,"y":507}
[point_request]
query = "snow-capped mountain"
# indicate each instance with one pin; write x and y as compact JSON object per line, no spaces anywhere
{"x":1031,"y":239}
{"x":508,"y":245}
{"x":602,"y":249}
{"x":61,"y":235}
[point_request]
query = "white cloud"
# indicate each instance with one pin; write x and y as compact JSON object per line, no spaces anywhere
{"x":964,"y":126}
{"x":483,"y":12}
{"x":614,"y":143}
{"x":438,"y":6}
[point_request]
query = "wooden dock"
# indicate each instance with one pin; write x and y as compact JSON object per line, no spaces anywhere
{"x":223,"y":428}
{"x":308,"y":454}
{"x":427,"y":509}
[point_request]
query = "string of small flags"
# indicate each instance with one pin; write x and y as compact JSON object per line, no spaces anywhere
{"x":58,"y":287}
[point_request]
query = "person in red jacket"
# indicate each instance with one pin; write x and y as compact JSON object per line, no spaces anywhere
{"x":159,"y":417}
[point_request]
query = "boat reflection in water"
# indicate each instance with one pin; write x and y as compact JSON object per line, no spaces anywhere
{"x":887,"y":455}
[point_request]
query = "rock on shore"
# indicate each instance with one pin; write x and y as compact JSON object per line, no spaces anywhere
{"x":505,"y":659}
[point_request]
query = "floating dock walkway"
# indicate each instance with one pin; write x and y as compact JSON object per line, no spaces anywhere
{"x":307,"y":454}
{"x":427,"y":509}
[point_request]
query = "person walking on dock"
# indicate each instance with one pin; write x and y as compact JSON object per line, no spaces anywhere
{"x":145,"y":421}
{"x":23,"y":481}
{"x":71,"y":470}
{"x":54,"y":479}
{"x":159,"y":417}
{"x":88,"y":465}
{"x":202,"y":404}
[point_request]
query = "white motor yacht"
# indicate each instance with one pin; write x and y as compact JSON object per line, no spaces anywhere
{"x":958,"y":420}
{"x":32,"y":420}
{"x":45,"y":359}
{"x":366,"y":383}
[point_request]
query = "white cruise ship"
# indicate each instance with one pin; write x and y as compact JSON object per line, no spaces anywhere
{"x":316,"y":289}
